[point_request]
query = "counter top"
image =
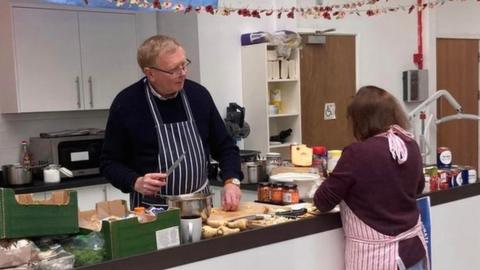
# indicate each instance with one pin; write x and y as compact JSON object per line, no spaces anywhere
{"x":66,"y":183}
{"x":215,"y":247}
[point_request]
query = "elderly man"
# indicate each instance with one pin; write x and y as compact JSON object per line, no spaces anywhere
{"x":162,"y":118}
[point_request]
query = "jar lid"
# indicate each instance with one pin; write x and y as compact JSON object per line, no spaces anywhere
{"x":290,"y":185}
{"x":319,"y":150}
{"x":66,"y":172}
{"x":277,"y":185}
{"x":264,"y":184}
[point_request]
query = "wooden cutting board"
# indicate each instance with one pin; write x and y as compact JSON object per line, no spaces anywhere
{"x":245,"y":209}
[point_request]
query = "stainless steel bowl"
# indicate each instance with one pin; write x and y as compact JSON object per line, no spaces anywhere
{"x":195,"y":204}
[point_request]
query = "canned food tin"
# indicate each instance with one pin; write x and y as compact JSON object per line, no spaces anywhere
{"x":444,"y":158}
{"x":472,"y":176}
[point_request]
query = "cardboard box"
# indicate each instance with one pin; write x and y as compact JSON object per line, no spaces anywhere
{"x":22,"y":216}
{"x":127,"y":237}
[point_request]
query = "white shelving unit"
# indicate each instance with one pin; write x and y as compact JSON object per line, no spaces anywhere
{"x":258,"y":85}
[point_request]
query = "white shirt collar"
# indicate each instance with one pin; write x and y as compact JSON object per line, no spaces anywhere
{"x":155,"y":93}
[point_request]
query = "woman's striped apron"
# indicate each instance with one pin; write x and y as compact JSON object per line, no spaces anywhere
{"x":366,"y":248}
{"x":174,"y":139}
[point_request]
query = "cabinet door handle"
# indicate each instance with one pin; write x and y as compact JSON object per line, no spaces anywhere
{"x":77,"y":81}
{"x":90,"y":89}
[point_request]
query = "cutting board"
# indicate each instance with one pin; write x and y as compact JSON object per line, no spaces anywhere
{"x":245,"y":209}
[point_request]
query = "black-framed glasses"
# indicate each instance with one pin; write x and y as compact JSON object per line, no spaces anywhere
{"x":176,"y":71}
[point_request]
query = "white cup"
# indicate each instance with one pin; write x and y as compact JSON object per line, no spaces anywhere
{"x":191,"y":229}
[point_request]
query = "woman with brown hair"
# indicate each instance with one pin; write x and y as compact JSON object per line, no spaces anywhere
{"x":376,"y":182}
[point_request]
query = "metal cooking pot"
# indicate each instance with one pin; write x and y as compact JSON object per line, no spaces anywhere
{"x":193,"y":204}
{"x":248,"y":155}
{"x":16,"y":174}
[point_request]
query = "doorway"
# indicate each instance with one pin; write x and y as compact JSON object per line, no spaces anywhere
{"x":328,"y":77}
{"x":457,"y":72}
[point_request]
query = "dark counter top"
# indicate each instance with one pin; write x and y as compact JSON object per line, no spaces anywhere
{"x":66,"y":183}
{"x":215,"y":247}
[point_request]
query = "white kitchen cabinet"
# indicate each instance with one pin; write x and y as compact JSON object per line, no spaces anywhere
{"x":258,"y":85}
{"x":60,"y":60}
{"x":109,"y":64}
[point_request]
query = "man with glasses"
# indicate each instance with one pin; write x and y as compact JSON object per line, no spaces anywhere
{"x":161,"y":131}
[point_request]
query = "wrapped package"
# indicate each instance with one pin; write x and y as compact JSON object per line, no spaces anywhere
{"x":17,"y":253}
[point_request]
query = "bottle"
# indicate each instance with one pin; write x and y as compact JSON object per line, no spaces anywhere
{"x":25,"y":158}
{"x":319,"y":159}
{"x":277,"y":99}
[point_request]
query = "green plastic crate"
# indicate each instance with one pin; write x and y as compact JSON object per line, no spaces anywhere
{"x":27,"y":220}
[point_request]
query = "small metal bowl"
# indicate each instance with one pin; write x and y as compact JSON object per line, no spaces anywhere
{"x":192,"y":205}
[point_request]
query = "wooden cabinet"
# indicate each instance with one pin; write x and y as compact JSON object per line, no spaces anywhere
{"x":262,"y":89}
{"x":60,"y":60}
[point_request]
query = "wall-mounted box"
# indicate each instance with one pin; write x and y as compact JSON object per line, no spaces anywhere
{"x":415,"y":85}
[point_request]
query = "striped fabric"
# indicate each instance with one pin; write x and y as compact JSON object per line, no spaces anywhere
{"x":368,"y":249}
{"x":174,"y":139}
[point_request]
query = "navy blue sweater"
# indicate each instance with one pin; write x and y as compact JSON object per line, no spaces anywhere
{"x":130,"y":148}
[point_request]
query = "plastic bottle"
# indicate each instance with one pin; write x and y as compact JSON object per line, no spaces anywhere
{"x":319,"y":159}
{"x":25,"y":158}
{"x":276,"y":99}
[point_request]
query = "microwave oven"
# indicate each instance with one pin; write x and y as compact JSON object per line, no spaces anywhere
{"x":80,"y":154}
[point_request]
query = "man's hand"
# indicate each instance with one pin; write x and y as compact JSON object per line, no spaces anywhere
{"x":231,"y":196}
{"x":150,"y":184}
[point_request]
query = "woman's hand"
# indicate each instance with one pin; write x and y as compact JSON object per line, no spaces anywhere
{"x":151,"y":183}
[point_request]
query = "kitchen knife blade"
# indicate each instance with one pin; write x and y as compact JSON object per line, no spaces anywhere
{"x":175,"y":164}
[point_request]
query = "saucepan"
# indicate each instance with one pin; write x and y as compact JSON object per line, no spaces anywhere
{"x":192,"y":205}
{"x":16,"y":174}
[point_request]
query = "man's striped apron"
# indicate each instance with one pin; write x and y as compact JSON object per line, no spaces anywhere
{"x":173,"y":140}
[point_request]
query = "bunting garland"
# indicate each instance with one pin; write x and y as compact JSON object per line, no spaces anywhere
{"x":328,"y":12}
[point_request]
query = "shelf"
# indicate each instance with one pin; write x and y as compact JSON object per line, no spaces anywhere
{"x":283,"y":145}
{"x":283,"y":80}
{"x":283,"y":115}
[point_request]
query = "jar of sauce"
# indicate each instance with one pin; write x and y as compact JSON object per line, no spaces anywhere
{"x":277,"y":193}
{"x":264,"y":192}
{"x":290,"y":194}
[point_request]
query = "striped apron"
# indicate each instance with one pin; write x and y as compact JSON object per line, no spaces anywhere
{"x":368,"y":249}
{"x":173,"y":140}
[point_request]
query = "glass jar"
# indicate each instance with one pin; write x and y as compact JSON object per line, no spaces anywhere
{"x":277,"y":193}
{"x":273,"y":160}
{"x":51,"y":173}
{"x":264,"y":192}
{"x":290,"y":194}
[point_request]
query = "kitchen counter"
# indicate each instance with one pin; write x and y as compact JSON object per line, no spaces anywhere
{"x":319,"y":241}
{"x":309,"y":242}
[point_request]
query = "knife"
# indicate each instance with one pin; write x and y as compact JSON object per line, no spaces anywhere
{"x":175,"y":164}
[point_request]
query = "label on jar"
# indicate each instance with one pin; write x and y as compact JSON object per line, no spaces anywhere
{"x":287,"y":197}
